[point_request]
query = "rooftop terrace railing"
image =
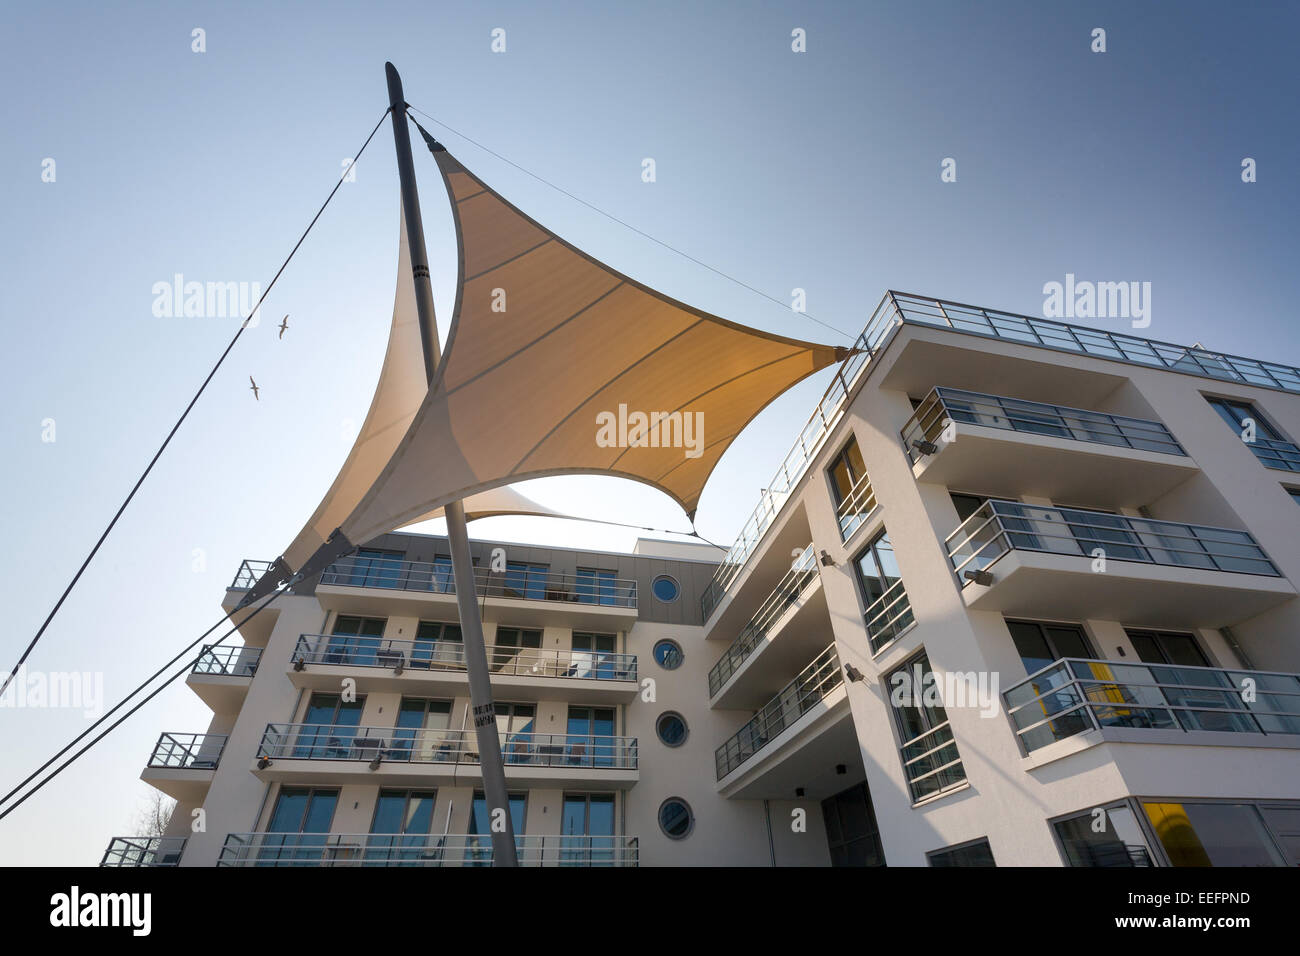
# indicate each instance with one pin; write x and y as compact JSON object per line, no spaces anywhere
{"x":812,"y":685}
{"x":900,"y":308}
{"x":249,"y":572}
{"x":1014,"y":414}
{"x":1073,"y":695}
{"x":999,"y":527}
{"x":802,"y":574}
{"x":444,"y":655}
{"x":528,"y":584}
{"x":143,"y":851}
{"x":419,"y":849}
{"x":437,"y":746}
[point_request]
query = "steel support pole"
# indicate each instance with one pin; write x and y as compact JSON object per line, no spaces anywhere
{"x":462,"y":566}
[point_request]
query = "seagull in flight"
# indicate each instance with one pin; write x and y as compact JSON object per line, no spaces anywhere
{"x":284,"y":324}
{"x":255,"y":398}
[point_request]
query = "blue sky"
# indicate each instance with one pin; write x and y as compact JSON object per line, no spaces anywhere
{"x":817,"y":170}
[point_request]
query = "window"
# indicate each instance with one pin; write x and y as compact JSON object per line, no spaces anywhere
{"x":846,"y":470}
{"x":299,"y":827}
{"x":888,"y":612}
{"x":671,"y":729}
{"x":851,"y":830}
{"x":438,"y":647}
{"x":524,"y":580}
{"x":354,"y":640}
{"x":975,"y":853}
{"x":511,"y":648}
{"x":422,"y":731}
{"x":1269,"y":446}
{"x":967,"y":505}
{"x":1042,"y":644}
{"x":1213,"y":834}
{"x":373,"y":568}
{"x":1111,"y":838}
{"x":1295,"y":494}
{"x":668,"y":654}
{"x":479,"y":849}
{"x":590,"y":742}
{"x":665,"y":588}
{"x":587,"y":830}
{"x":597,"y":587}
{"x":929,"y":752}
{"x":1166,"y":647}
{"x":400,"y":827}
{"x":676,"y":819}
{"x":515,"y":725}
{"x":442,"y":578}
{"x":329,"y":727}
{"x":593,"y":656}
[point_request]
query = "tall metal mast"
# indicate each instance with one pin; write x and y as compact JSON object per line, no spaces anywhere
{"x":471,"y":626}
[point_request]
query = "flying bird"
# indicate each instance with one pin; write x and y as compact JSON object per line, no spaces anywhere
{"x":284,"y":324}
{"x":255,"y":398}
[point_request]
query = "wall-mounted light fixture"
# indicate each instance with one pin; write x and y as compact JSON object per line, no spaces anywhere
{"x":979,"y":577}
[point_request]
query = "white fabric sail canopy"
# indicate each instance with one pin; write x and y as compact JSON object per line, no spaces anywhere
{"x":555,"y":364}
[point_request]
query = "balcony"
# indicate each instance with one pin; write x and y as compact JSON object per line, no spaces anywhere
{"x":1152,"y":702}
{"x":1068,"y":563}
{"x":182,"y":765}
{"x":362,"y":585}
{"x":407,"y":849}
{"x":964,"y":439}
{"x":438,"y":668}
{"x":332,"y":754}
{"x":789,"y":602}
{"x":143,"y":851}
{"x":221,"y":676}
{"x":794,"y":740}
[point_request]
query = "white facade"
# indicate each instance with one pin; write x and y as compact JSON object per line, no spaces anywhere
{"x":1176,"y":727}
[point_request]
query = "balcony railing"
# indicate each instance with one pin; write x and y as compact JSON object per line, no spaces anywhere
{"x":248,"y":573}
{"x":931,"y":763}
{"x":188,"y":751}
{"x":359,"y":651}
{"x":853,"y":511}
{"x":888,"y":616}
{"x":999,"y":526}
{"x":1013,"y":414}
{"x":813,"y":684}
{"x":1073,"y":695}
{"x":1050,"y":334}
{"x":454,"y":747}
{"x":795,"y":464}
{"x":532,"y":584}
{"x":143,"y":851}
{"x":1274,"y":453}
{"x":413,"y":849}
{"x":228,"y":661}
{"x":802,"y":574}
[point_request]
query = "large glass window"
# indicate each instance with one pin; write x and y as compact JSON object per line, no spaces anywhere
{"x":1103,"y":837}
{"x":479,"y":850}
{"x":1042,"y":644}
{"x":851,"y":831}
{"x":596,"y":725}
{"x":422,"y":732}
{"x":515,"y":726}
{"x":1269,"y":446}
{"x":931,"y":762}
{"x":329,"y":727}
{"x":374,"y":568}
{"x":526,"y":580}
{"x":1213,"y":834}
{"x":888,"y":612}
{"x":438,"y":646}
{"x":593,"y":656}
{"x":1168,"y":647}
{"x":974,"y":853}
{"x":514,"y":649}
{"x":587,"y":826}
{"x":595,"y":586}
{"x":846,"y":471}
{"x":299,"y":827}
{"x":354,"y":640}
{"x":400,"y":827}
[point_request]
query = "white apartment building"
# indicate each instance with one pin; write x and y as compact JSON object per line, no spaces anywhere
{"x":1023,"y":593}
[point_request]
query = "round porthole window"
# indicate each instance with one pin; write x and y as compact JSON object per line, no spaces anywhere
{"x":665,"y":588}
{"x":671,"y":729}
{"x":668,"y":654}
{"x":676,"y":819}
